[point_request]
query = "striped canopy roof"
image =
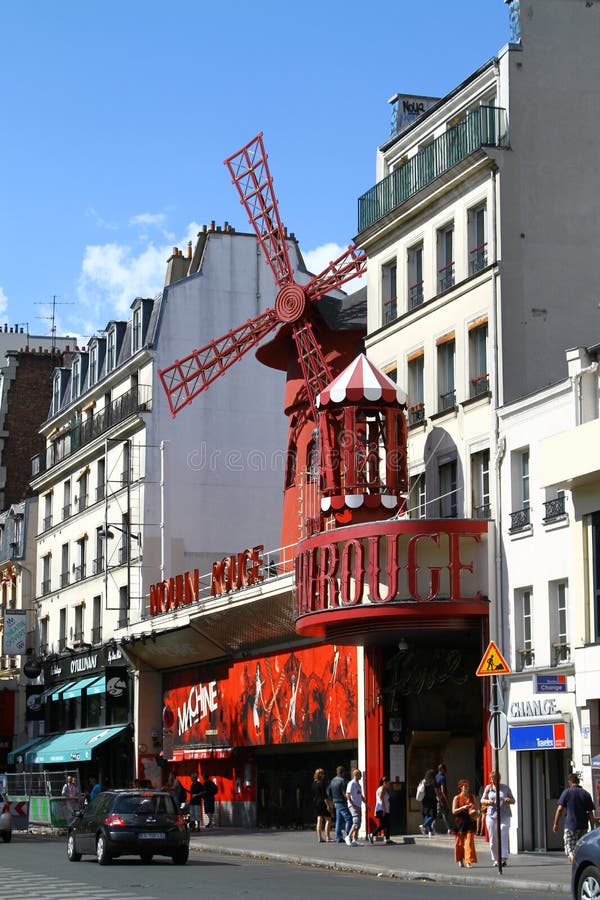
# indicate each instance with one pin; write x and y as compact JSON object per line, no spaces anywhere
{"x":361,"y":380}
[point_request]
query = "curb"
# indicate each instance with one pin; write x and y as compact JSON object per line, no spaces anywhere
{"x":382,"y":872}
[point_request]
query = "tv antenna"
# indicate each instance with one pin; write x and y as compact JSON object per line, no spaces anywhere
{"x":52,"y":318}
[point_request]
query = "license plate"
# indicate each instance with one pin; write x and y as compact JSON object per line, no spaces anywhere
{"x":152,"y":835}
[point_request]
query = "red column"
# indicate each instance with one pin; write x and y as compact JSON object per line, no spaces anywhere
{"x":374,"y":735}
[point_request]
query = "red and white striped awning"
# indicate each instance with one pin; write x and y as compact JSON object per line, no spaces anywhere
{"x":361,"y":380}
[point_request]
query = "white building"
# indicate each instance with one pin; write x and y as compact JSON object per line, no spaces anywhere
{"x":481,"y":233}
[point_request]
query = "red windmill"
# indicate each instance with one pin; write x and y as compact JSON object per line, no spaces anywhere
{"x":318,"y":351}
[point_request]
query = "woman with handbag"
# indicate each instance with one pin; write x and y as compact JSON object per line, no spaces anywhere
{"x":464,"y":810}
{"x":497,"y":798}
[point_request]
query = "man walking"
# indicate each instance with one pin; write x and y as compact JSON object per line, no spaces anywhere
{"x":443,"y":802}
{"x":355,"y":799}
{"x":579,"y":808}
{"x":337,"y":794}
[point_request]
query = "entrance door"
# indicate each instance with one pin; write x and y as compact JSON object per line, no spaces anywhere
{"x":542,"y":778}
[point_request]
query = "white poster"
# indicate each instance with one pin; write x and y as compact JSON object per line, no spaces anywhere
{"x":15,"y":628}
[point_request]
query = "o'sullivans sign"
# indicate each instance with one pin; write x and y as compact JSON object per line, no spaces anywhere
{"x":357,"y":572}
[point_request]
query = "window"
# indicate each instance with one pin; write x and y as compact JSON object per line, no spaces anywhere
{"x":66,"y":510}
{"x":415,"y":276}
{"x":18,"y":549}
{"x":98,"y":564}
{"x":445,"y":361}
{"x":561,"y":651}
{"x":478,"y":371}
{"x":46,"y":573}
{"x":524,"y":620}
{"x":56,"y":392}
{"x":44,"y":635}
{"x":78,"y":628}
{"x":100,"y":479}
{"x":478,"y":257}
{"x":125,"y":548}
{"x":520,"y":518}
{"x":312,"y":460}
{"x":111,"y":350}
{"x":416,"y":496}
{"x":47,"y":522}
{"x":75,"y":377}
{"x":81,"y":555}
{"x":389,"y":292}
{"x":445,"y":258}
{"x":480,"y":485}
{"x":136,"y":329}
{"x":123,"y":608}
{"x":97,"y":620}
{"x":64,"y":565}
{"x":83,"y":491}
{"x":93,"y":365}
{"x":448,"y":489}
{"x":416,"y":408}
{"x":62,"y":628}
{"x":595,"y":535}
{"x":125,"y":475}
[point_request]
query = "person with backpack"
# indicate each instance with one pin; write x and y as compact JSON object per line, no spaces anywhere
{"x":209,"y":792}
{"x":427,"y":795}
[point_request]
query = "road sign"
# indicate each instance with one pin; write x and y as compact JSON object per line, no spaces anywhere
{"x":498,"y":730}
{"x":493,"y":663}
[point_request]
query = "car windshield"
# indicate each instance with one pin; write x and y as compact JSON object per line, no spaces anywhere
{"x":145,"y":804}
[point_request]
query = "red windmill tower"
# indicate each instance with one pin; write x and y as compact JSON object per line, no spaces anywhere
{"x":306,"y":347}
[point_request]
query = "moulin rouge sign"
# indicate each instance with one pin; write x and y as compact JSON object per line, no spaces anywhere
{"x":385,"y":562}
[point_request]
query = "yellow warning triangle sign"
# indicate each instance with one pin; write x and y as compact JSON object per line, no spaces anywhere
{"x":493,"y":663}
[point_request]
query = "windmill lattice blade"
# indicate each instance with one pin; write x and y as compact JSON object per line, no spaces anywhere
{"x":315,"y":369}
{"x":250,"y":174}
{"x":350,"y":264}
{"x":188,"y":377}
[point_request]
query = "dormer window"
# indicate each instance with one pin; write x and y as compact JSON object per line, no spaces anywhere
{"x":93,"y":365}
{"x":56,"y":393}
{"x":75,"y":378}
{"x":111,"y":346}
{"x":136,"y":329}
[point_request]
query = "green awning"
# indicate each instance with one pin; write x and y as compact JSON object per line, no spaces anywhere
{"x":20,"y":751}
{"x":97,"y":687}
{"x":75,"y":689}
{"x":58,"y":691}
{"x":71,"y":746}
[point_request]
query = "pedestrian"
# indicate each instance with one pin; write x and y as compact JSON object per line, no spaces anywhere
{"x":178,"y":792}
{"x":71,"y":795}
{"x":209,"y":792}
{"x":319,"y":799}
{"x":428,"y":803}
{"x":94,"y":788}
{"x":195,"y":802}
{"x":464,"y":810}
{"x":497,"y":796}
{"x":355,"y":799}
{"x":579,"y":807}
{"x":337,"y":794}
{"x":382,"y":811}
{"x":443,"y":801}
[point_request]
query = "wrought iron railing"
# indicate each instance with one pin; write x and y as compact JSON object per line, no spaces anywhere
{"x":98,"y":565}
{"x":47,"y":523}
{"x":66,"y":511}
{"x":482,"y":512}
{"x":64,"y":579}
{"x":561,"y":652}
{"x":97,"y":634}
{"x":415,"y":295}
{"x":478,"y":259}
{"x":45,"y":587}
{"x":554,"y":509}
{"x":416,"y":414}
{"x":390,"y":310}
{"x":482,"y":127}
{"x":83,"y":432}
{"x":525,"y":658}
{"x":479,"y":385}
{"x":79,"y":572}
{"x":520,"y":519}
{"x":447,"y":401}
{"x":446,"y":278}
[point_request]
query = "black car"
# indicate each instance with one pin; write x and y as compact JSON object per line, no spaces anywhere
{"x":585,"y":872}
{"x":143,"y":823}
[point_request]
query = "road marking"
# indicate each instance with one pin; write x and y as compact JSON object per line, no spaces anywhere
{"x":18,"y":884}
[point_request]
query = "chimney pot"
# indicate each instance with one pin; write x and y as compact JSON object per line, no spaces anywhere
{"x":189,"y":250}
{"x":212,"y":225}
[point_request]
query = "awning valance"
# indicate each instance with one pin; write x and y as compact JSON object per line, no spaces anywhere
{"x":361,"y":380}
{"x":71,"y":746}
{"x":20,"y":751}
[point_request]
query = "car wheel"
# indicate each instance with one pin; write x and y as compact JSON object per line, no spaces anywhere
{"x":146,"y":858}
{"x":7,"y":836}
{"x":72,"y":853}
{"x":102,"y":854}
{"x":180,"y":857}
{"x":588,"y":886}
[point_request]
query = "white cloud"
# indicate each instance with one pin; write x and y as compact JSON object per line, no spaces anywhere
{"x":3,"y":302}
{"x":157,"y":219}
{"x":318,"y":259}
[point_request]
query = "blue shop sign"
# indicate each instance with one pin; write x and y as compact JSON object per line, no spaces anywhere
{"x":554,"y":736}
{"x":550,"y":684}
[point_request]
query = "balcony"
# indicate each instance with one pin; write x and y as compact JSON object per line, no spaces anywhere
{"x":64,"y":579}
{"x":82,"y":502}
{"x":447,"y":401}
{"x":390,"y":310}
{"x":478,"y":259}
{"x":561,"y":653}
{"x":84,"y":432}
{"x":97,"y":634}
{"x":46,"y":588}
{"x":66,"y":511}
{"x":415,"y":295}
{"x":47,"y":523}
{"x":554,"y":510}
{"x":519,"y":519}
{"x":482,"y":127}
{"x":482,"y":512}
{"x":480,"y":385}
{"x":446,"y":278}
{"x":79,"y":573}
{"x":98,"y":565}
{"x":525,"y":658}
{"x":416,"y":414}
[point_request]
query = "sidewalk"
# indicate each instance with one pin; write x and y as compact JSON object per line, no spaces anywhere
{"x":411,"y":858}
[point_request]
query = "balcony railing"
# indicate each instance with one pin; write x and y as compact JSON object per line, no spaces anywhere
{"x":66,"y":511}
{"x":415,"y":295}
{"x":480,"y":384}
{"x":79,"y":573}
{"x":98,"y":565}
{"x":97,"y":634}
{"x":82,"y":502}
{"x":478,"y":259}
{"x":525,"y":658}
{"x":64,"y":579}
{"x":446,"y":278}
{"x":416,"y":414}
{"x":561,"y":652}
{"x":84,"y":432}
{"x":47,"y":523}
{"x":447,"y":401}
{"x":519,"y":519}
{"x":45,"y":587}
{"x":482,"y":512}
{"x":554,"y":509}
{"x":482,"y":127}
{"x":390,"y":310}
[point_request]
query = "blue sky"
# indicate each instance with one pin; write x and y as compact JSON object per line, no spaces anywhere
{"x":117,"y":116}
